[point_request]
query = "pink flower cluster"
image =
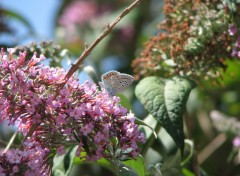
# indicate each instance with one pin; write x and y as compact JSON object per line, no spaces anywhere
{"x":27,"y":162}
{"x":236,"y":142}
{"x":78,"y":12}
{"x":78,"y":115}
{"x":233,"y":31}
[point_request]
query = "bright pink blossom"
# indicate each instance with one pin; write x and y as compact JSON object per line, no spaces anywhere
{"x":80,"y":114}
{"x":31,"y":160}
{"x":232,"y":30}
{"x":236,"y":141}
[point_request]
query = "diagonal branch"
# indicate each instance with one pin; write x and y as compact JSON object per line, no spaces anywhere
{"x":106,"y":31}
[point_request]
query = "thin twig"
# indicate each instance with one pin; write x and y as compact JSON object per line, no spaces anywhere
{"x":151,"y":139}
{"x":211,"y":147}
{"x":194,"y":161}
{"x":10,"y":142}
{"x":106,"y":31}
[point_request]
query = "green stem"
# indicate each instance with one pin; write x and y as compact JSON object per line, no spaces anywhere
{"x":150,"y":140}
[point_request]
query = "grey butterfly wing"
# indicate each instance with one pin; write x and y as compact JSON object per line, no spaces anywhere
{"x":116,"y":82}
{"x":108,"y":81}
{"x":122,"y":81}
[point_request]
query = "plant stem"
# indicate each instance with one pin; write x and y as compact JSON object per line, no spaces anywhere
{"x":194,"y":161}
{"x":106,"y":31}
{"x":150,"y":140}
{"x":10,"y":142}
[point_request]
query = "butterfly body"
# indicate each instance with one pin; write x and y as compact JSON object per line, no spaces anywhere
{"x":115,"y":82}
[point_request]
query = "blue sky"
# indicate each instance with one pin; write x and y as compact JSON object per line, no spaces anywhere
{"x":40,"y":13}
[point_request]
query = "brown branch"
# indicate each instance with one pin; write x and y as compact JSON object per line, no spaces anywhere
{"x":106,"y":31}
{"x":10,"y":142}
{"x":211,"y":147}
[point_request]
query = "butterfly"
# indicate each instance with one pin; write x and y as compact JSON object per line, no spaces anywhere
{"x":115,"y":82}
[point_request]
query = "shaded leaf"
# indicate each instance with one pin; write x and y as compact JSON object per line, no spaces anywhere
{"x":105,"y":163}
{"x":127,"y":171}
{"x":166,"y":100}
{"x":155,"y":170}
{"x":170,"y":166}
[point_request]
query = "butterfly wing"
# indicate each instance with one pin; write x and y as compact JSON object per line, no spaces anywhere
{"x":116,"y":82}
{"x":122,"y":81}
{"x":108,"y":81}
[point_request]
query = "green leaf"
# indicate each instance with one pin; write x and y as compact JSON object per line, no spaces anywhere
{"x":140,"y":122}
{"x":106,"y":164}
{"x":124,"y":101}
{"x":170,"y":167}
{"x":166,"y":101}
{"x":20,"y":18}
{"x":137,"y":165}
{"x":187,"y":172}
{"x":171,"y":162}
{"x":62,"y":165}
{"x":155,"y":170}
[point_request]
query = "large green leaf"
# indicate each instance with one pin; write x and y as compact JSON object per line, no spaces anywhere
{"x":166,"y":100}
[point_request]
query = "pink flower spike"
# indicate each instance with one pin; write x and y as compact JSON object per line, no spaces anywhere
{"x":238,"y":42}
{"x":15,"y":169}
{"x":79,"y":111}
{"x":87,"y":129}
{"x":11,"y":51}
{"x":238,"y":54}
{"x":232,"y":30}
{"x":61,"y":150}
{"x":236,"y":141}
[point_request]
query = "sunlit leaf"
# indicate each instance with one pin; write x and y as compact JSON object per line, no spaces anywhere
{"x":105,"y":163}
{"x":186,"y":172}
{"x":62,"y":165}
{"x":124,"y":102}
{"x":137,"y":165}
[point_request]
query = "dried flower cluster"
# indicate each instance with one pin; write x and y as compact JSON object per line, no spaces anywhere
{"x":79,"y":115}
{"x":193,"y":41}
